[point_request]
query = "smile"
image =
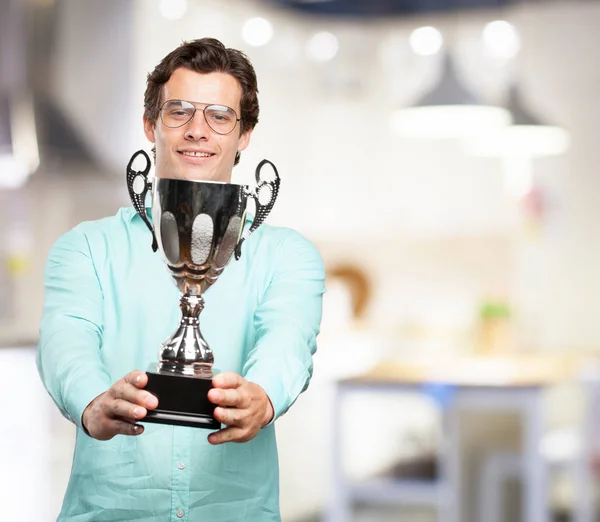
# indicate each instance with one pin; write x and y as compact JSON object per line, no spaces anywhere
{"x":196,"y":154}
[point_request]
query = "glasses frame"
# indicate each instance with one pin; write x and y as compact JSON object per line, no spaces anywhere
{"x":206,"y":106}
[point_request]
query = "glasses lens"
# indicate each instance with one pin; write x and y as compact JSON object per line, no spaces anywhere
{"x":176,"y":113}
{"x":222,"y":119}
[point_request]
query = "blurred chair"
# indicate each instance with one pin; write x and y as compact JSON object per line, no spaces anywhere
{"x":576,"y":452}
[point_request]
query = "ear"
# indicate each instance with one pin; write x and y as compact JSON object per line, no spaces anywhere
{"x":149,"y":130}
{"x":244,"y":140}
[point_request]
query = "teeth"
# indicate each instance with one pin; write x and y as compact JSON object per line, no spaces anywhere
{"x":196,"y":154}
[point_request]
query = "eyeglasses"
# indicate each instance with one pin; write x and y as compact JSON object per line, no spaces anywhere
{"x":220,"y":118}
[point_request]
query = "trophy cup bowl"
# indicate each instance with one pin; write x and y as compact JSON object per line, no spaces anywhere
{"x":197,"y":226}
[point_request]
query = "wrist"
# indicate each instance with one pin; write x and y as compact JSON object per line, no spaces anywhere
{"x":83,"y":426}
{"x":269,"y":412}
{"x":84,"y":415}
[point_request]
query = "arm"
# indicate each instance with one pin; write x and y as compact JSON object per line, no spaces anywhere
{"x":279,"y":366}
{"x":287,"y":322}
{"x":68,"y":356}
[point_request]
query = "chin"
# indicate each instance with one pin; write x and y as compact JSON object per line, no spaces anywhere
{"x":207,"y":176}
{"x":186,"y":176}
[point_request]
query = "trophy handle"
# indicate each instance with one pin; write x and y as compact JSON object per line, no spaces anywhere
{"x":265,"y":188}
{"x":138,"y":186}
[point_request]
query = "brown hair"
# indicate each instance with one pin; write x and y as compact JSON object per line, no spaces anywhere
{"x":206,"y":55}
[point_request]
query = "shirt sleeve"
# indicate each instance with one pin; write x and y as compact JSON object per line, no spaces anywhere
{"x":287,"y":322}
{"x":68,"y":356}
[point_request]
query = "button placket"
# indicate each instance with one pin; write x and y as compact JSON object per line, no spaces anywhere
{"x":182,"y":442}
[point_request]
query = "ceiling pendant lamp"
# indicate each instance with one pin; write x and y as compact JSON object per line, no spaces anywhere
{"x":518,"y":144}
{"x":448,"y":111}
{"x":528,"y":136}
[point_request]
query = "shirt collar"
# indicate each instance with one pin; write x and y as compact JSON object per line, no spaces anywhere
{"x":135,"y":215}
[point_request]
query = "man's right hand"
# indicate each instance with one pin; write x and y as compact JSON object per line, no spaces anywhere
{"x":117,"y":410}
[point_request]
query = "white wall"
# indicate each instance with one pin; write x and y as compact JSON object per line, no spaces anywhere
{"x":432,"y":227}
{"x":35,"y":441}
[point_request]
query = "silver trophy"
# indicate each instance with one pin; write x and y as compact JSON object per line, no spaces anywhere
{"x":198,"y":226}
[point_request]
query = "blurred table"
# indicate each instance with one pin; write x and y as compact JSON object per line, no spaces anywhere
{"x":511,"y":383}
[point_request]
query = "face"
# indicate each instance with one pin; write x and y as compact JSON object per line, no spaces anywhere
{"x":194,"y":151}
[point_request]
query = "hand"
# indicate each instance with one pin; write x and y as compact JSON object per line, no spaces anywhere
{"x":117,"y":410}
{"x":242,"y":406}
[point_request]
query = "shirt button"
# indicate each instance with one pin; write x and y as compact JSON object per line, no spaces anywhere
{"x":180,"y":513}
{"x":181,"y":465}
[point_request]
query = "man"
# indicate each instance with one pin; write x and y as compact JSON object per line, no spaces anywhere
{"x":110,"y":301}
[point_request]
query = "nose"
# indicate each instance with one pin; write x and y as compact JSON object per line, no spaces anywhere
{"x":197,"y":128}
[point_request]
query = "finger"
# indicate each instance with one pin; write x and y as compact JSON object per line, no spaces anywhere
{"x":230,"y":416}
{"x":226,"y":397}
{"x":127,"y":410}
{"x":138,"y":378}
{"x":122,"y":427}
{"x":127,"y":392}
{"x":228,"y":380}
{"x":232,"y":434}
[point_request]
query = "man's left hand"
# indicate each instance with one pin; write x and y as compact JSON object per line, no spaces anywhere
{"x":242,"y":406}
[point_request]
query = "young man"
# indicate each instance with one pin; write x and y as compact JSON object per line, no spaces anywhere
{"x":110,"y":301}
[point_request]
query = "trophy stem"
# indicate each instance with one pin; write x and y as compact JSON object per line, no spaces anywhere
{"x":186,"y":352}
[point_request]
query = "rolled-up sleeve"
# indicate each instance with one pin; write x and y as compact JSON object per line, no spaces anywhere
{"x":287,"y":322}
{"x":69,"y":352}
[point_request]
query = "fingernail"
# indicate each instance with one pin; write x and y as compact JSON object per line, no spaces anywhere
{"x":137,"y":379}
{"x":150,"y":401}
{"x":136,"y":428}
{"x":137,"y":411}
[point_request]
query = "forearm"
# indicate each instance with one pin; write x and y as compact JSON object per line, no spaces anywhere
{"x":68,"y":357}
{"x":281,"y":364}
{"x":71,"y":369}
{"x":287,"y":323}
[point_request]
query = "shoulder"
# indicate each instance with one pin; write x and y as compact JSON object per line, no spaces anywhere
{"x":122,"y":219}
{"x":91,"y":234}
{"x":285,"y":245}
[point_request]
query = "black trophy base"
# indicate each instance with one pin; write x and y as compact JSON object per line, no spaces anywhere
{"x":182,"y":400}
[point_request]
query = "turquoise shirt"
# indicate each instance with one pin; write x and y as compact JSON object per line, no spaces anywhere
{"x":109,"y":303}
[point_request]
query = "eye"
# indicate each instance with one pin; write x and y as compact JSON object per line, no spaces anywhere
{"x":219,"y":117}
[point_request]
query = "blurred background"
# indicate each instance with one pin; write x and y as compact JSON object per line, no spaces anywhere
{"x":441,"y":154}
